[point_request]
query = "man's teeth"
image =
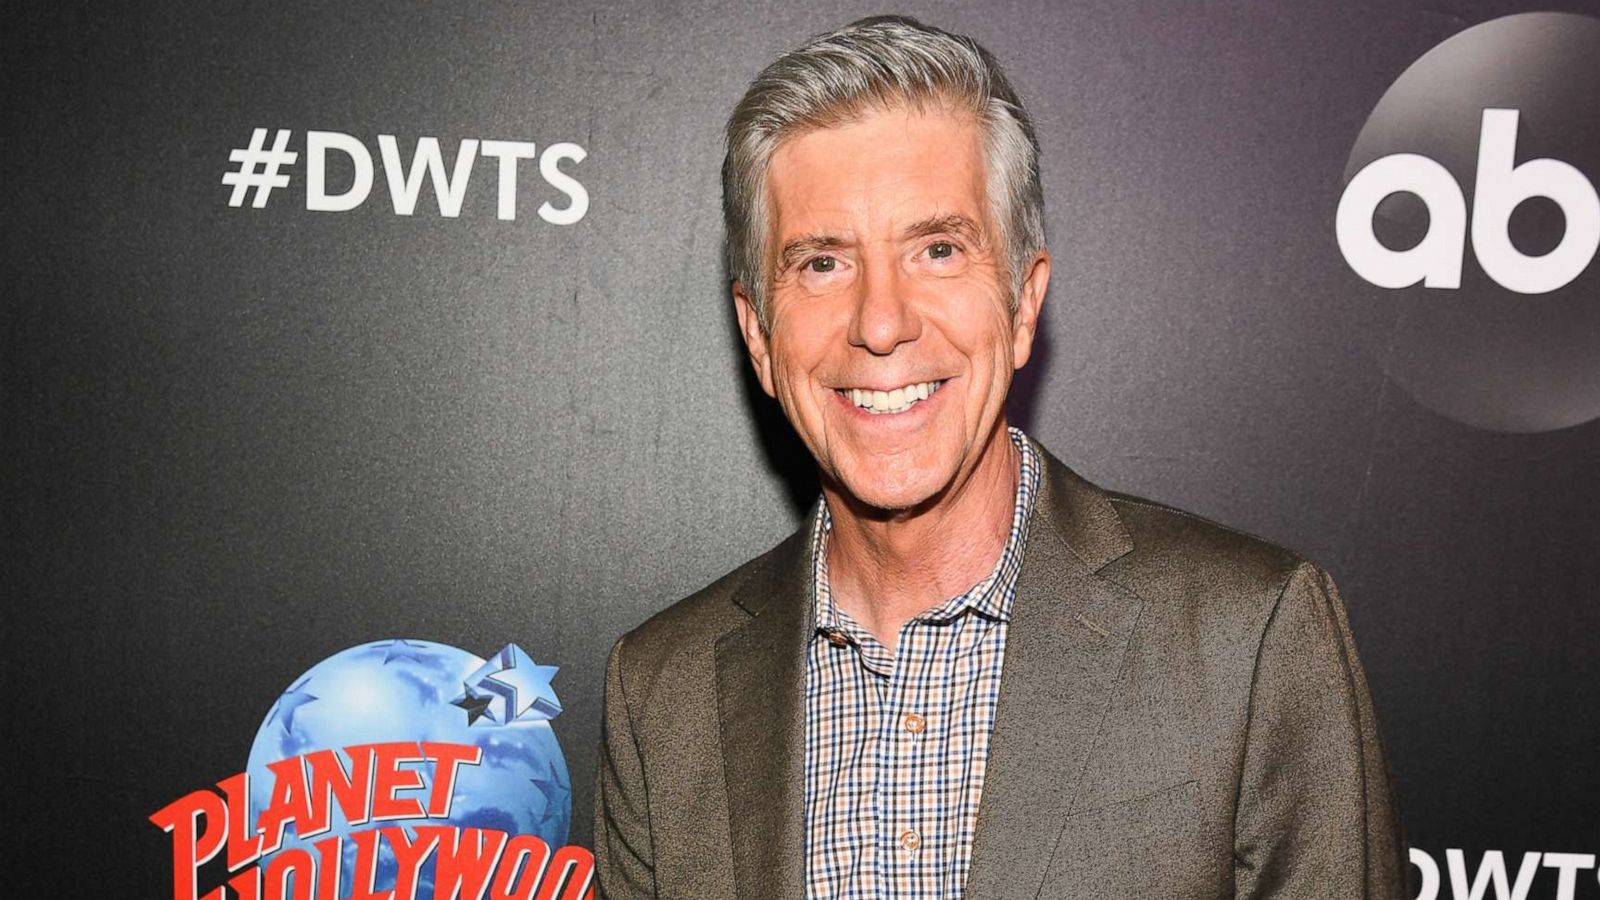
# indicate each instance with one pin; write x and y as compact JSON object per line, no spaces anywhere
{"x":896,"y":401}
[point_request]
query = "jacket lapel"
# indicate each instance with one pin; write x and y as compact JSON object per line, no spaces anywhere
{"x":760,"y":670}
{"x":1064,"y":648}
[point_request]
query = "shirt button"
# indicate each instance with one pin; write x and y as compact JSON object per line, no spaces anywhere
{"x":838,"y":639}
{"x":910,"y":839}
{"x":915,"y":723}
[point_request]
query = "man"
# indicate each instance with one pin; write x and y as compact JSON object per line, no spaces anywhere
{"x":972,"y":673}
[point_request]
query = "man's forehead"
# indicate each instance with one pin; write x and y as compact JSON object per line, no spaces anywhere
{"x":890,"y":168}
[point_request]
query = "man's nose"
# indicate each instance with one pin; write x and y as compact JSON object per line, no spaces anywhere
{"x":884,"y":316}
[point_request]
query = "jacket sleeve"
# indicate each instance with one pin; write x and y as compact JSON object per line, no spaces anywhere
{"x":1316,"y":815}
{"x":623,"y":854}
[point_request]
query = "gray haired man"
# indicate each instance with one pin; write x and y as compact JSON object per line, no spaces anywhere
{"x":972,"y":673}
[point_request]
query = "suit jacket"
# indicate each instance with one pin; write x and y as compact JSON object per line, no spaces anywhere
{"x":1181,"y":714}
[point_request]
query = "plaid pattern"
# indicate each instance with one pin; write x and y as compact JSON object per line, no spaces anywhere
{"x":896,"y":742}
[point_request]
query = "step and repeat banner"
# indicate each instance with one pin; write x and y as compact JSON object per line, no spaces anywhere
{"x":369,"y":368}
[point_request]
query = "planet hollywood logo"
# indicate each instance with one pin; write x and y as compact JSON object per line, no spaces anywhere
{"x":1469,"y":205}
{"x":398,"y":770}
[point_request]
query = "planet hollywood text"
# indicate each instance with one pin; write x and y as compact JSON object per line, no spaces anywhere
{"x":367,"y":784}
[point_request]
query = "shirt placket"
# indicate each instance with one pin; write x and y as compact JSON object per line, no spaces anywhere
{"x":906,"y":803}
{"x":857,"y":810}
{"x":917,"y":763}
{"x":866,"y":780}
{"x":975,"y":664}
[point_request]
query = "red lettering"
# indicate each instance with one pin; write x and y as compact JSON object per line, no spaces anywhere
{"x":289,"y":803}
{"x":330,"y":861}
{"x":246,"y":884}
{"x":330,"y":784}
{"x":305,"y":790}
{"x":291,"y":862}
{"x":466,"y":860}
{"x":525,"y":859}
{"x":244,"y":844}
{"x":191,"y":846}
{"x":450,"y":758}
{"x":362,"y":880}
{"x":388,"y":777}
{"x":571,"y":873}
{"x":409,"y":856}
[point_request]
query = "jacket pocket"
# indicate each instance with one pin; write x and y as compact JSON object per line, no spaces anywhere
{"x":1149,"y":846}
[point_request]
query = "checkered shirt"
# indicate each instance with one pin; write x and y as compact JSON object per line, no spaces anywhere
{"x":896,"y":742}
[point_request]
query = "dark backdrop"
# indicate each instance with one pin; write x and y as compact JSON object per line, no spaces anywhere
{"x":238,"y":440}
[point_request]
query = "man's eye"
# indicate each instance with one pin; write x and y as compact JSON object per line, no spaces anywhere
{"x":941,"y":250}
{"x":823,"y":264}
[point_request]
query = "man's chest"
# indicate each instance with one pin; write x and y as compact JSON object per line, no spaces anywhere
{"x":895,"y":750}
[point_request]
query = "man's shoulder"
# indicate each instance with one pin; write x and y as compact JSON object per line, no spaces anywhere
{"x":1168,"y":538}
{"x":1150,"y":546}
{"x":1193,"y":568}
{"x":1207,"y":587}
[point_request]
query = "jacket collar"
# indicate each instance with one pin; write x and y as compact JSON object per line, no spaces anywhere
{"x":1063,"y":657}
{"x":1080,"y":513}
{"x":761,"y":673}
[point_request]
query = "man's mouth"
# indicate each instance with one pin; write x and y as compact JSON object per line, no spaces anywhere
{"x":888,"y":403}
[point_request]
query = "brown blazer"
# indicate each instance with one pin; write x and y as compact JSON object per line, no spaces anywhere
{"x":1181,"y":714}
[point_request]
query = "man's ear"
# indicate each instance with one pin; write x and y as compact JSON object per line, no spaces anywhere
{"x":755,"y":337}
{"x":1025,"y":322}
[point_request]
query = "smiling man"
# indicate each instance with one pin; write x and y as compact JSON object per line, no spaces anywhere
{"x":972,"y":673}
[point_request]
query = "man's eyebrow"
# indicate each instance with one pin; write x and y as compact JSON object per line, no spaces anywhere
{"x":955,"y":223}
{"x":797,"y":249}
{"x":806,"y":244}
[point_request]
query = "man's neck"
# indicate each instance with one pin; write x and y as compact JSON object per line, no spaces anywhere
{"x":885,"y":568}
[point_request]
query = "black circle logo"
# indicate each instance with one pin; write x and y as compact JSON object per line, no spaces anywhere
{"x":1470,"y":210}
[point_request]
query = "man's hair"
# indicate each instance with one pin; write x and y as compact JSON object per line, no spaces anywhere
{"x":879,"y":63}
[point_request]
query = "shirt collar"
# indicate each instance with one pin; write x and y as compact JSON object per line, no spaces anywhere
{"x":991,"y":597}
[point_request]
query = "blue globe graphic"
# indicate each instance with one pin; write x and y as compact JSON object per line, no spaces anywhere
{"x":414,"y":691}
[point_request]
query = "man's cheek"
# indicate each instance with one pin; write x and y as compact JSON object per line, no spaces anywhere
{"x":797,"y":400}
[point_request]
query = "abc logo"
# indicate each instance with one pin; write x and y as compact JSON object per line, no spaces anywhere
{"x":1470,"y":223}
{"x":1500,"y":186}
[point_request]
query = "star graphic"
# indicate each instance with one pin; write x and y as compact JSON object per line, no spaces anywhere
{"x":399,"y":648}
{"x":549,"y":784}
{"x":476,"y":707}
{"x":528,"y":683}
{"x":292,"y":699}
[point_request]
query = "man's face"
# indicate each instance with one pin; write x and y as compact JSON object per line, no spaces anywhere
{"x":891,"y":341}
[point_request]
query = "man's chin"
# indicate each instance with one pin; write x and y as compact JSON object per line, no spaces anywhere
{"x":889,"y":494}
